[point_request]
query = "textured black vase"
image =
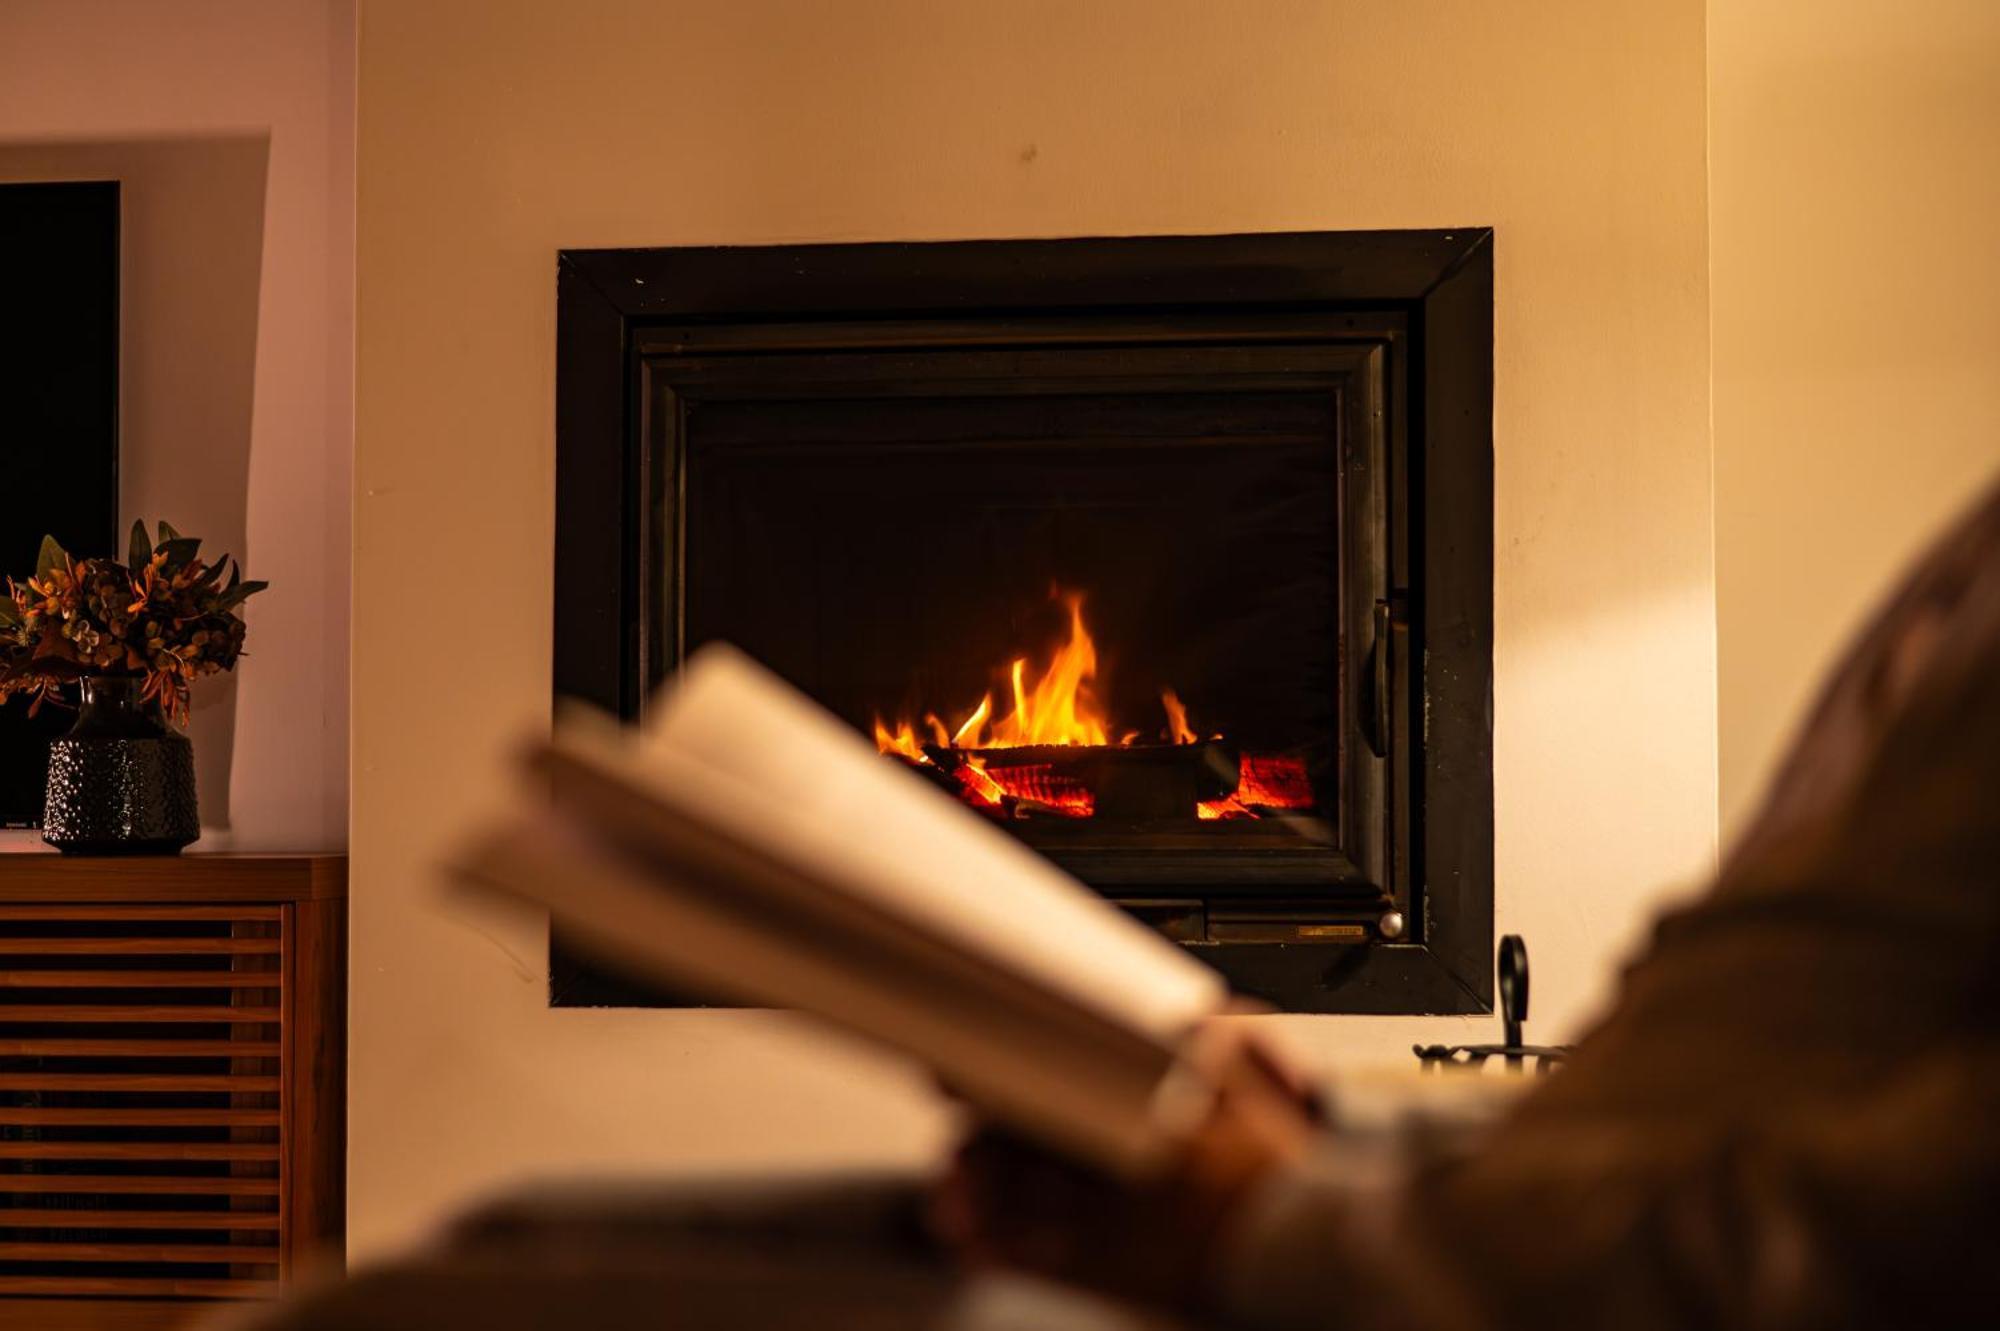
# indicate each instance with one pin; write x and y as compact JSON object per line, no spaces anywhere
{"x":121,"y":782}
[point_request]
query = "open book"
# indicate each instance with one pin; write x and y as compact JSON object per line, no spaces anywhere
{"x":750,"y":846}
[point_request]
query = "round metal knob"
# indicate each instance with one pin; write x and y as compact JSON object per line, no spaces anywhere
{"x":1391,"y":924}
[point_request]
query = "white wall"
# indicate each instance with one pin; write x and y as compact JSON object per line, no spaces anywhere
{"x":494,"y":132}
{"x":230,"y":124}
{"x":1855,"y":179}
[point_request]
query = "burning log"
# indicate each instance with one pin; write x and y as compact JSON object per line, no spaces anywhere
{"x":1140,"y":783}
{"x":1052,"y":755}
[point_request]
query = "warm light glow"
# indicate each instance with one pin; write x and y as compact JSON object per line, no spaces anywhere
{"x":1274,"y":782}
{"x":902,"y":740}
{"x":1040,"y":786}
{"x":978,"y":786}
{"x":1268,"y":782}
{"x":972,"y":735}
{"x":1059,"y":707}
{"x":1056,"y":705}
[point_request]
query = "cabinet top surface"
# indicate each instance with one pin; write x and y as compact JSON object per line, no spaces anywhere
{"x":33,"y":876}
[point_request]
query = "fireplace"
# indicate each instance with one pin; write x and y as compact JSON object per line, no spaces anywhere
{"x":1170,"y":556}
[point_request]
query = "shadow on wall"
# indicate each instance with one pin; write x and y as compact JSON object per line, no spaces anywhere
{"x":192,"y":245}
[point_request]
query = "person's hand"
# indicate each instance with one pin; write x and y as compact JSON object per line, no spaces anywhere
{"x":1010,"y":1203}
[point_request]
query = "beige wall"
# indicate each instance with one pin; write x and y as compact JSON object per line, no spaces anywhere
{"x":1855,"y":179}
{"x":230,"y":124}
{"x":494,"y":132}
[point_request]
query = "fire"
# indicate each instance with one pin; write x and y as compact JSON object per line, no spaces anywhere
{"x":1056,"y":705}
{"x":979,"y":785}
{"x":903,"y":740}
{"x":1275,"y":782}
{"x":1268,"y":782}
{"x":1058,"y":708}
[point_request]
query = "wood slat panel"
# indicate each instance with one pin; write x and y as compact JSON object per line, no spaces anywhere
{"x":137,"y":947}
{"x":138,"y":1151}
{"x":170,"y":1254}
{"x":140,"y":979}
{"x":147,"y":880}
{"x":53,"y":1047}
{"x":43,"y":1313}
{"x":154,"y":1185}
{"x":136,"y":1081}
{"x":32,"y":1218}
{"x":118,"y":1012}
{"x":138,"y":1287}
{"x":140,"y":914}
{"x":147,"y":1117}
{"x":121,"y":969}
{"x":316,"y":1091}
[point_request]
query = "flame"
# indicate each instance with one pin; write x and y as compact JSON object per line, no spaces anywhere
{"x":1059,"y":707}
{"x":1056,"y":705}
{"x":902,"y":740}
{"x":972,"y":734}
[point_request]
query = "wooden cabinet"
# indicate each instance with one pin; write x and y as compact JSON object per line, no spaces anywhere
{"x":172,"y":1082}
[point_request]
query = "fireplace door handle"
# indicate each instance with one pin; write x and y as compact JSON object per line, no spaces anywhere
{"x":1379,"y":686}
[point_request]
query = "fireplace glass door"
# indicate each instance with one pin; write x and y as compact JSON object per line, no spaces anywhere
{"x":1117,"y":597}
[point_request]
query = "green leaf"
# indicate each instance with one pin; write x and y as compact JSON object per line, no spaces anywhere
{"x":167,"y":533}
{"x":10,"y":614}
{"x":51,"y":558}
{"x":239,"y":593}
{"x":142,"y":549}
{"x":180,"y":551}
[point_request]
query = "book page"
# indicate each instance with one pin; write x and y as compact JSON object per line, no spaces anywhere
{"x":707,"y":832}
{"x":1014,"y":1062}
{"x":830,"y":803}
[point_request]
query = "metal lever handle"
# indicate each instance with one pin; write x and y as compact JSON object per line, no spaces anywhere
{"x":1513,"y":976}
{"x":1378,"y":682}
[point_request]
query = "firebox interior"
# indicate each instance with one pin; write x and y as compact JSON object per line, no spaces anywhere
{"x":1146,"y":541}
{"x":894,"y":557}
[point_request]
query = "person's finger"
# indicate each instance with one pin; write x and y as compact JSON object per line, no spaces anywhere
{"x":1235,"y":1054}
{"x":1286,"y":1076}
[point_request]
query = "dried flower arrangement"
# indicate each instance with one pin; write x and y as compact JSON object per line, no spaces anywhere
{"x":166,"y":616}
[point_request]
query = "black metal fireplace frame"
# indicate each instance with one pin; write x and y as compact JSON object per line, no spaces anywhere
{"x":1429,"y":293}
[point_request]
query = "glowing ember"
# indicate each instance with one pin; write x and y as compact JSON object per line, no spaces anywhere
{"x":1043,"y":786}
{"x":1274,"y":782}
{"x":979,"y":787}
{"x":1266,"y":781}
{"x":1056,"y":705}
